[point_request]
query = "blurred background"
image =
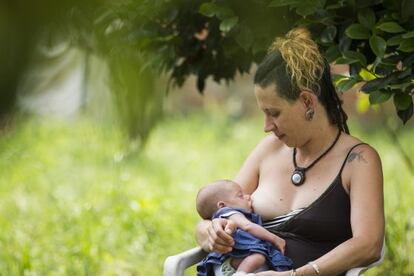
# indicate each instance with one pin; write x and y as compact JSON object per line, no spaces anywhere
{"x":101,"y":155}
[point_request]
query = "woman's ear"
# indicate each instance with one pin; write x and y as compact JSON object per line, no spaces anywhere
{"x":221,"y":204}
{"x":308,"y":99}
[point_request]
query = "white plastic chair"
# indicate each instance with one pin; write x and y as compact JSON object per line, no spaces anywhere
{"x":175,"y":265}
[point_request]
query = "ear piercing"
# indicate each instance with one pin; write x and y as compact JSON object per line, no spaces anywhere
{"x":309,"y":114}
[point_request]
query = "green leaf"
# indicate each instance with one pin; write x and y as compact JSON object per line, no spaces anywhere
{"x":356,"y":56}
{"x":374,"y":85}
{"x":379,"y":96}
{"x":407,"y":45}
{"x":395,"y":16}
{"x":344,"y":60}
{"x":408,"y":35}
{"x":367,"y":18}
{"x":227,"y":24}
{"x":332,"y":53}
{"x":402,"y":101}
{"x":224,"y":13}
{"x":345,"y":85}
{"x":212,"y":9}
{"x":394,"y":41}
{"x":405,"y":73}
{"x":391,"y":27}
{"x":366,"y":75}
{"x":407,"y":10}
{"x":335,"y":6}
{"x":399,"y":86}
{"x":208,"y":9}
{"x":357,"y":31}
{"x":405,"y":115}
{"x":305,"y":8}
{"x":245,"y":37}
{"x":378,"y":45}
{"x":338,"y":78}
{"x":283,"y":3}
{"x":328,"y":34}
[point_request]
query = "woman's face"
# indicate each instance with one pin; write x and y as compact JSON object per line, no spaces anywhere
{"x":284,"y":118}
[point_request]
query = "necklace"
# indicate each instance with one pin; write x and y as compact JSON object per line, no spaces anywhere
{"x":298,"y":175}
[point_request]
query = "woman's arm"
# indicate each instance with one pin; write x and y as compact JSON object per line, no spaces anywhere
{"x":367,"y":218}
{"x":212,"y":236}
{"x":367,"y":214}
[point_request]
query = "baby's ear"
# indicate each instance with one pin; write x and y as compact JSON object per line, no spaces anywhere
{"x":221,"y":204}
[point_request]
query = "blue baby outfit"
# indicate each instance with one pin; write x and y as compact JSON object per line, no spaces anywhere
{"x":244,"y":245}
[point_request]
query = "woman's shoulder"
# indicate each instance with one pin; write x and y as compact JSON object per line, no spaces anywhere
{"x":270,"y":143}
{"x":266,"y":147}
{"x":361,"y":157}
{"x":353,"y":144}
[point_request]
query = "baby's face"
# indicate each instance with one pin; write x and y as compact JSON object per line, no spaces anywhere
{"x":237,"y":199}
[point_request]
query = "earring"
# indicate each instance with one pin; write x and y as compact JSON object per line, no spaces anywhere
{"x":309,"y":114}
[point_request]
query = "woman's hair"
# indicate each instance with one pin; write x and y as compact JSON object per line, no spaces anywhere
{"x":294,"y":63}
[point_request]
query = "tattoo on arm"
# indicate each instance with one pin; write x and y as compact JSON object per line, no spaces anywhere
{"x":356,"y":155}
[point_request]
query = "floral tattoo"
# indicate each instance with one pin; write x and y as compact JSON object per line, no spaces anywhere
{"x":358,"y":156}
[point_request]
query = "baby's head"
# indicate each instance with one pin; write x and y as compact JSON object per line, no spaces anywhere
{"x":219,"y":194}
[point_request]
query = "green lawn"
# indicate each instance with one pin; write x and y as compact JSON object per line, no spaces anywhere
{"x":74,"y":200}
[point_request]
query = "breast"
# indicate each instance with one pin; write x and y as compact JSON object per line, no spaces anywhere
{"x":268,"y":204}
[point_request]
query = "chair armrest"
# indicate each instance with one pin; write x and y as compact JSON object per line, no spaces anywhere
{"x":175,"y":265}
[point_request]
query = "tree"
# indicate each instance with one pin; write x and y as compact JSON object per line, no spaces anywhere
{"x":218,"y":38}
{"x":376,"y":38}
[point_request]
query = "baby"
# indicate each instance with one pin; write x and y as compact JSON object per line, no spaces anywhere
{"x":254,"y":245}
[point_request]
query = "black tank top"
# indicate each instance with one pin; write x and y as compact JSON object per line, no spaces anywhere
{"x":321,"y":226}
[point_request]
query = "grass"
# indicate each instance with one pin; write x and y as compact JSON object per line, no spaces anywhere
{"x":76,"y":200}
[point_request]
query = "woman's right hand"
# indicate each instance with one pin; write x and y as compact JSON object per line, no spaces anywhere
{"x":219,"y":235}
{"x":279,"y":243}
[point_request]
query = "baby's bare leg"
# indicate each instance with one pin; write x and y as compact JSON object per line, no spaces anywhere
{"x":249,"y":264}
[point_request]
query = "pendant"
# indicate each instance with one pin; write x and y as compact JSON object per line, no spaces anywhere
{"x":298,"y":176}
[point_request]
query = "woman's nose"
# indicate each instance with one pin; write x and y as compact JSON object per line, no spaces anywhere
{"x":268,"y":124}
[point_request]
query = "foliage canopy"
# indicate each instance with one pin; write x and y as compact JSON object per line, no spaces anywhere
{"x":219,"y":38}
{"x":376,"y":39}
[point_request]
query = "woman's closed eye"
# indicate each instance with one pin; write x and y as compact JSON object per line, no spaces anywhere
{"x":272,"y":113}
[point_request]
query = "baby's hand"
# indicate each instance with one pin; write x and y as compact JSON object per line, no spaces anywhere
{"x":279,"y":243}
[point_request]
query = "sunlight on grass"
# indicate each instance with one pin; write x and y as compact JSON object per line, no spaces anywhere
{"x":75,"y":200}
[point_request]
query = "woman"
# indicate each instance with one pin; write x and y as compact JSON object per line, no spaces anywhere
{"x":314,"y":185}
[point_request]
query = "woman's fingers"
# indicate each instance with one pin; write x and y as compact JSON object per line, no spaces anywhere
{"x":215,"y":247}
{"x":230,"y":227}
{"x":219,"y":228}
{"x":219,"y":240}
{"x":280,"y":244}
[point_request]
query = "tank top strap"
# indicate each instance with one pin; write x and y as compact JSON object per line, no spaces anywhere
{"x":346,"y":158}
